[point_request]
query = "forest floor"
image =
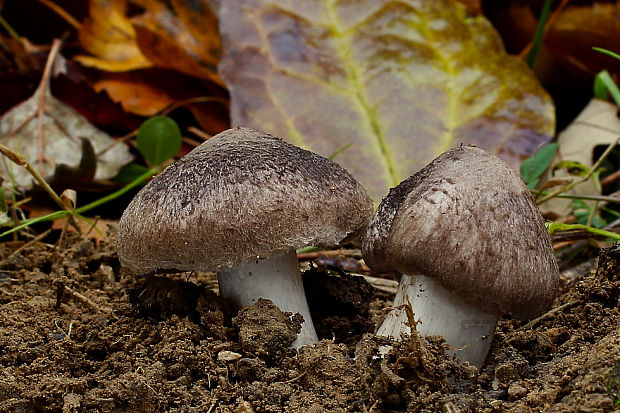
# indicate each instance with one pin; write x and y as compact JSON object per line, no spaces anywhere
{"x":78,"y":335}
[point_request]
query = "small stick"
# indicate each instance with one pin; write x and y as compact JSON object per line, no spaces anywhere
{"x":593,"y":169}
{"x":191,"y":141}
{"x":67,"y":335}
{"x":92,"y":226}
{"x":294,"y":379}
{"x":86,"y":300}
{"x":382,"y":284}
{"x":32,"y":241}
{"x":547,"y":314}
{"x":21,"y":161}
{"x":307,"y":256}
{"x":374,"y":407}
{"x":200,"y":133}
{"x":62,"y":13}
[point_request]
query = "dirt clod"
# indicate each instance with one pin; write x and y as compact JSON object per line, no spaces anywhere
{"x":265,"y":331}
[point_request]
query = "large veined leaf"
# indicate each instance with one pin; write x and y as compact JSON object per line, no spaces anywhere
{"x":398,"y":81}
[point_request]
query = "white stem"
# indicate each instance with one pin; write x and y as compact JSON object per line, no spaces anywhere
{"x":466,"y":329}
{"x":276,"y":278}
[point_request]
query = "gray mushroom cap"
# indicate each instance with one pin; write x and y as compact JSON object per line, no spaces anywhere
{"x":241,"y":195}
{"x":468,"y":221}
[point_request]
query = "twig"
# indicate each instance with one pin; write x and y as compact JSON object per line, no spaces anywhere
{"x":93,"y":225}
{"x":198,"y":132}
{"x":67,"y":335}
{"x":594,"y":167}
{"x":212,"y":406}
{"x":535,"y":321}
{"x":574,"y":235}
{"x":294,"y":379}
{"x":32,"y":241}
{"x":203,"y":99}
{"x":450,"y":408}
{"x":165,"y":111}
{"x":382,"y":284}
{"x":610,"y":179}
{"x":307,"y":256}
{"x":374,"y":408}
{"x":21,"y":161}
{"x":86,"y":300}
{"x":190,"y":141}
{"x":62,"y":13}
{"x":42,"y":89}
{"x":613,"y":198}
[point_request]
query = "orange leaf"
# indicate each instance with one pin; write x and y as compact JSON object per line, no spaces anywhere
{"x":108,"y":35}
{"x":183,"y":37}
{"x":135,"y":93}
{"x":146,"y":92}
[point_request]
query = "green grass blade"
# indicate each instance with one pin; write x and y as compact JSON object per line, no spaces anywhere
{"x":605,"y":79}
{"x":607,"y":52}
{"x":540,"y":34}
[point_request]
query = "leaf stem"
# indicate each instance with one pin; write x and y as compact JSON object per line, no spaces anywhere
{"x":21,"y":161}
{"x":85,"y":208}
{"x":560,"y":226}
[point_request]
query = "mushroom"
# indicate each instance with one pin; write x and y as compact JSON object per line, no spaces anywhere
{"x":240,"y":204}
{"x":471,"y":244}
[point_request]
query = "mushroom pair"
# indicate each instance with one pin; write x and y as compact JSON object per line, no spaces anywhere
{"x":471,"y":244}
{"x":241,"y":204}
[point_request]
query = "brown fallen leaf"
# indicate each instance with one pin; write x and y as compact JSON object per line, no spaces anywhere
{"x":180,"y":35}
{"x":569,"y":39}
{"x":394,"y":82}
{"x":148,"y":92}
{"x":580,"y":27}
{"x":134,"y":92}
{"x":109,"y":36}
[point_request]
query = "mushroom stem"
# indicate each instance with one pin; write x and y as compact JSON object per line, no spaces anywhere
{"x":466,"y":329}
{"x":276,"y":278}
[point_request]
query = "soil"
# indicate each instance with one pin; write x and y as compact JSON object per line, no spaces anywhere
{"x":78,"y":335}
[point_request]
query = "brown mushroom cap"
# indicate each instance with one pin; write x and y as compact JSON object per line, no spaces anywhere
{"x":468,"y":221}
{"x":240,"y":195}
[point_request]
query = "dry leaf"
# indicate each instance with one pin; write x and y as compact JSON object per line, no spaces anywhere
{"x":596,"y":125}
{"x":398,"y":81}
{"x":147,"y":92}
{"x":578,"y":29}
{"x":109,"y":35}
{"x":183,"y":36}
{"x":62,"y":128}
{"x":135,"y":93}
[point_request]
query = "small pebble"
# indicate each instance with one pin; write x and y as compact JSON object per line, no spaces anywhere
{"x":227,"y":355}
{"x":516,"y":391}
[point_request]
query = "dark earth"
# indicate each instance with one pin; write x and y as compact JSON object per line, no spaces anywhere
{"x":78,"y":335}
